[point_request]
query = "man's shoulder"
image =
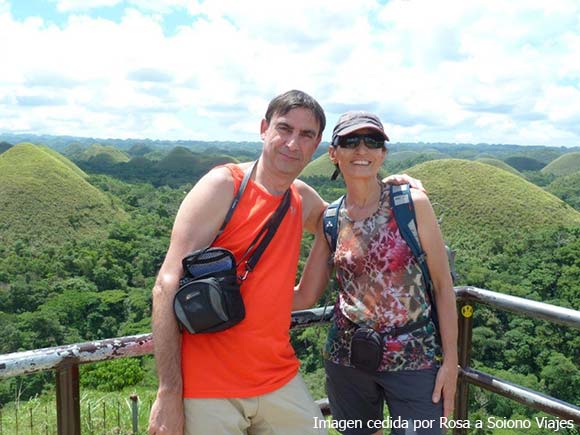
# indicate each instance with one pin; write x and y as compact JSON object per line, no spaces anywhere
{"x":305,"y":190}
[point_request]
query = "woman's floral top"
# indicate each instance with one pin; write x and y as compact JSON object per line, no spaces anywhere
{"x":380,"y":286}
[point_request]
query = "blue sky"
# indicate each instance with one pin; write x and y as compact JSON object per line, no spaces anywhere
{"x":446,"y":71}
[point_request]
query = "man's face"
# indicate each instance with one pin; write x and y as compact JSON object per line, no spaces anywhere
{"x":290,"y":140}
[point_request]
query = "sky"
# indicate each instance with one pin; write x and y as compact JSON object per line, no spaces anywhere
{"x":477,"y":71}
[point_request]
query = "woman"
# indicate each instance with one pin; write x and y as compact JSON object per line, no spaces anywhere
{"x":380,"y":289}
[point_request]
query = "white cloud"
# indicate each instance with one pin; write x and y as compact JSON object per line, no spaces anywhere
{"x":83,"y":5}
{"x":448,"y":70}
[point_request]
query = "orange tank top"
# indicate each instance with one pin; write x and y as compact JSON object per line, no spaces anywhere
{"x":254,"y":357}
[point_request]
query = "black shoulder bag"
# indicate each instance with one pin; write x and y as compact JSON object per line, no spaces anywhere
{"x":209,"y":298}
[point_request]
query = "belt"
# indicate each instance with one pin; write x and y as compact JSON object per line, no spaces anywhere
{"x":409,"y":327}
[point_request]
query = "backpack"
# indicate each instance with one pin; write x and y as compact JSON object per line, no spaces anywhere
{"x":404,"y":213}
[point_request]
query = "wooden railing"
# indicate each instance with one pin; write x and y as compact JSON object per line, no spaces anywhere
{"x":65,"y":360}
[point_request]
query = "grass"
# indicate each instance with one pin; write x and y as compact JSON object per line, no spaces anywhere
{"x":101,"y":413}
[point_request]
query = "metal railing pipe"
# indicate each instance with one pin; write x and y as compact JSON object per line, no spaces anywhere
{"x":526,"y":396}
{"x":526,"y":307}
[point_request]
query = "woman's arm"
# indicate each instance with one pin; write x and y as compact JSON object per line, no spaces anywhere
{"x":434,"y":247}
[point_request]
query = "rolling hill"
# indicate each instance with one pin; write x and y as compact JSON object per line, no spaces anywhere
{"x":45,"y":198}
{"x":323,"y":167}
{"x":566,"y":164}
{"x":99,"y":153}
{"x":499,"y":164}
{"x":319,"y":167}
{"x":483,"y":206}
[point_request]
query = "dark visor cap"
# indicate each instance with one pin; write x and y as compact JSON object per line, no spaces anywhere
{"x":356,"y":120}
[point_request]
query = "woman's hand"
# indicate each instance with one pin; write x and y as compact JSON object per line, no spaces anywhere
{"x":397,"y":179}
{"x":445,"y":385}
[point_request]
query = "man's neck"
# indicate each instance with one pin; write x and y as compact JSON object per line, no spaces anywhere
{"x":274,"y":182}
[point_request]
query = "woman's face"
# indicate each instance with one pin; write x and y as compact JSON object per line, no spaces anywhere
{"x":360,"y":161}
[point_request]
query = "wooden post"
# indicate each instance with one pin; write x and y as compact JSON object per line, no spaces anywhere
{"x":68,"y":412}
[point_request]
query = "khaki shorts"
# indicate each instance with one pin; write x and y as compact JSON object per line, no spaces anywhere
{"x":289,"y":410}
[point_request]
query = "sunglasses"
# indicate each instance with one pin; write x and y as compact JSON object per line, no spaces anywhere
{"x":372,"y":141}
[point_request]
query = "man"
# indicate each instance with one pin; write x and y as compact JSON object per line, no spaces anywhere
{"x":244,"y":379}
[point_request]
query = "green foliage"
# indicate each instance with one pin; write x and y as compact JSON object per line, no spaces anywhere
{"x":522,"y":163}
{"x":111,"y":375}
{"x":567,"y":188}
{"x":562,"y":378}
{"x":539,"y":178}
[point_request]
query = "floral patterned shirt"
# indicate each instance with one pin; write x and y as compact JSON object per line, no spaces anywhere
{"x":380,"y":286}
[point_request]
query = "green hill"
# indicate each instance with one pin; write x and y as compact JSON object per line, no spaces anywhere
{"x":323,"y":167}
{"x":63,"y":160}
{"x":44,"y":199}
{"x":102,"y":154}
{"x":179,"y":158}
{"x":499,"y":164}
{"x":522,"y":163}
{"x":319,"y":167}
{"x":543,"y":155}
{"x":567,"y":188}
{"x":566,"y":164}
{"x":139,"y":150}
{"x":484,"y":207}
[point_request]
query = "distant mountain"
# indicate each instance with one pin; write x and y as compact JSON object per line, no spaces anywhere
{"x":46,"y":198}
{"x":567,"y":164}
{"x":399,"y":156}
{"x":483,"y":206}
{"x":499,"y":164}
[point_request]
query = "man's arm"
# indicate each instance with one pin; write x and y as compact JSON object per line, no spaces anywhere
{"x":315,"y":276}
{"x":316,"y":271}
{"x":432,"y":243}
{"x":199,"y":217}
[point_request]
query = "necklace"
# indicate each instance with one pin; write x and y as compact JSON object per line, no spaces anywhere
{"x":354,"y":212}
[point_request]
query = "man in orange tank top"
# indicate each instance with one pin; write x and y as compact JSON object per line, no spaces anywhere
{"x":243,"y":380}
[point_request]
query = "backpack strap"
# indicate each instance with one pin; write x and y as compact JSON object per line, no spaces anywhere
{"x":404,"y":213}
{"x":330,"y":223}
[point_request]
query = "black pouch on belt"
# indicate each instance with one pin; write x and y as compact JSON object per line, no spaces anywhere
{"x":367,"y":345}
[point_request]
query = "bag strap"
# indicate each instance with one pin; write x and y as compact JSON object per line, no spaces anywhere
{"x":330,"y":223}
{"x":404,"y":213}
{"x":265,"y":235}
{"x":229,"y":214}
{"x":243,"y":184}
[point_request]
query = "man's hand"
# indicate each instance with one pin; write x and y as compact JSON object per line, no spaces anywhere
{"x":446,"y":383}
{"x":397,"y":179}
{"x":167,"y":416}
